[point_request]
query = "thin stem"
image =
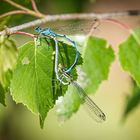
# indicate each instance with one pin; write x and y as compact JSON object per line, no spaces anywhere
{"x":24,"y":8}
{"x":34,"y":6}
{"x":24,"y":33}
{"x":94,"y":27}
{"x":123,"y":25}
{"x":13,"y":13}
{"x":17,"y":5}
{"x":7,"y":32}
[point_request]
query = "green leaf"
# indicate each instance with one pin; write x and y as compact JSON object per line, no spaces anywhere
{"x":34,"y":83}
{"x":8,"y":57}
{"x":132,"y":101}
{"x":3,"y":22}
{"x":2,"y":95}
{"x":129,"y":55}
{"x":97,"y":60}
{"x":67,"y":105}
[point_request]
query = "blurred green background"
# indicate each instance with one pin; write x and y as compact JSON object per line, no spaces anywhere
{"x":17,"y":123}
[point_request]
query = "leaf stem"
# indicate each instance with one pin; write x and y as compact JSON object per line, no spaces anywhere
{"x":13,"y":13}
{"x":36,"y":14}
{"x":94,"y":27}
{"x":24,"y":33}
{"x":17,"y":5}
{"x":114,"y":21}
{"x":34,"y":6}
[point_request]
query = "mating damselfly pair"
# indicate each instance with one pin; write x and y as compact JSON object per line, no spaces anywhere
{"x":64,"y":77}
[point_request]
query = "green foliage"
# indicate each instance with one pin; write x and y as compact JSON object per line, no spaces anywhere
{"x":5,"y":7}
{"x":132,"y":101}
{"x":34,"y":83}
{"x":8,"y":56}
{"x":97,"y":60}
{"x":2,"y":95}
{"x":16,"y":19}
{"x":129,"y":55}
{"x":3,"y":22}
{"x":67,"y":105}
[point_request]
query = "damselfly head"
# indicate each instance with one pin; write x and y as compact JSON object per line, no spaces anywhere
{"x":38,"y":29}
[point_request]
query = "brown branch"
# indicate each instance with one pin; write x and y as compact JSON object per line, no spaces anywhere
{"x":25,"y":9}
{"x":16,"y":5}
{"x":13,"y":13}
{"x":84,"y":16}
{"x":8,"y":32}
{"x":34,"y":6}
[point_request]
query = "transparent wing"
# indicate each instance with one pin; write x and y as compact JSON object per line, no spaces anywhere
{"x":94,"y":111}
{"x":72,"y":27}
